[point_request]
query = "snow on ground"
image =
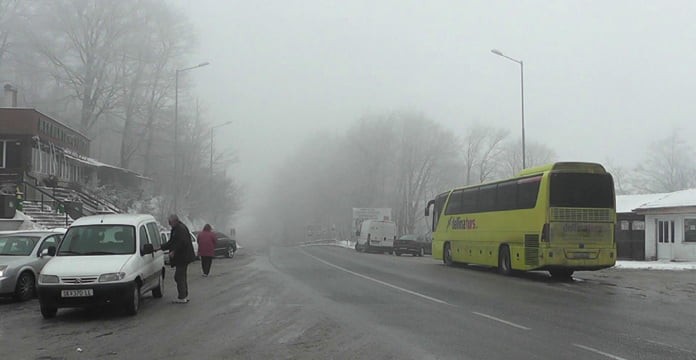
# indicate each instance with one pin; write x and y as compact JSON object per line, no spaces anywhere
{"x":656,"y":265}
{"x":28,"y":223}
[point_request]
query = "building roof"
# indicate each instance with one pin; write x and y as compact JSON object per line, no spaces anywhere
{"x":627,"y":203}
{"x":113,"y":219}
{"x":27,"y":109}
{"x":677,"y":199}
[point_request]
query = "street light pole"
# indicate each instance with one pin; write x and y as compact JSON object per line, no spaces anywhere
{"x":176,"y":131}
{"x":499,"y":53}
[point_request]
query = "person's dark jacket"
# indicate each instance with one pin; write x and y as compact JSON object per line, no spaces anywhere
{"x":180,"y":243}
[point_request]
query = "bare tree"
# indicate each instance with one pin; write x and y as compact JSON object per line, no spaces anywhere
{"x":8,"y":12}
{"x":482,"y":148}
{"x":621,"y":176}
{"x":668,"y":166}
{"x":537,"y":154}
{"x":84,"y":40}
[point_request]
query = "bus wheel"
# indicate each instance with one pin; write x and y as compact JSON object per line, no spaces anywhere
{"x":504,"y":266}
{"x":563,"y":274}
{"x":447,"y":255}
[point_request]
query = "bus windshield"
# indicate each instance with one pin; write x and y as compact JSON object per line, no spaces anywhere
{"x":582,"y":190}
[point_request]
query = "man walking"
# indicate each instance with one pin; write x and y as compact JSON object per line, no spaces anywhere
{"x":206,"y":248}
{"x":181,"y":254}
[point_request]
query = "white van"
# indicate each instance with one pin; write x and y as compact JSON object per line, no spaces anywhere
{"x":102,"y":260}
{"x":376,"y":236}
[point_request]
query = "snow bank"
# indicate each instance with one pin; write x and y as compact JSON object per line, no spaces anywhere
{"x":27,"y":222}
{"x":655,"y":265}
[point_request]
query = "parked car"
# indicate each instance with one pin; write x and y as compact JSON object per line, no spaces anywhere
{"x":376,"y":236}
{"x":164,"y":234}
{"x":103,"y":260}
{"x":225,"y":245}
{"x":21,"y":260}
{"x":427,"y":242}
{"x":409,"y":244}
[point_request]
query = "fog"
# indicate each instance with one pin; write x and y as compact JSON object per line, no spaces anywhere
{"x":608,"y":82}
{"x":602,"y":79}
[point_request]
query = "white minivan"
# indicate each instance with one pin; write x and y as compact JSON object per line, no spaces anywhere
{"x":376,"y":236}
{"x":103,"y":260}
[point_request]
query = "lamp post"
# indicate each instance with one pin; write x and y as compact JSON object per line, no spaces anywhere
{"x":499,"y":53}
{"x":176,"y":130}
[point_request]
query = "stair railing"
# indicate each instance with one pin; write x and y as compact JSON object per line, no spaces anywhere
{"x":44,"y":194}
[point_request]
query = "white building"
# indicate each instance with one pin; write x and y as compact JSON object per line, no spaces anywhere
{"x":670,"y":226}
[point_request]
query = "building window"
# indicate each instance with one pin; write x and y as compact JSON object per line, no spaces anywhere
{"x":690,"y":230}
{"x":638,"y":225}
{"x":625,"y":225}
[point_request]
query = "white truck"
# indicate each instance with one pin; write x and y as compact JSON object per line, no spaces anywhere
{"x":376,"y":236}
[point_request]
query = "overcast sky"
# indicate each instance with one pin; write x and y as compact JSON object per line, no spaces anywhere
{"x":602,"y":78}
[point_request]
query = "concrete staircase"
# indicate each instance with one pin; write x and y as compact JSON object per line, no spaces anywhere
{"x":45,"y":216}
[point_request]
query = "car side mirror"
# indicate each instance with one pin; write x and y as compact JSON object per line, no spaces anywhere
{"x":50,"y":251}
{"x":147,"y":249}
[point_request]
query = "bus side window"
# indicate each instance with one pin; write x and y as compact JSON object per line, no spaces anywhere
{"x":454,"y":205}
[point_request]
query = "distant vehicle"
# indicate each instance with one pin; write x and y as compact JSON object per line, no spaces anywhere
{"x":409,"y":244}
{"x":225,"y":245}
{"x":376,"y":236}
{"x":103,"y":260}
{"x":165,"y":237}
{"x":558,"y":217}
{"x":427,"y":242}
{"x":21,"y":260}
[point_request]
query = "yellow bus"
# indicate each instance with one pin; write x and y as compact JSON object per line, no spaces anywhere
{"x":558,"y":217}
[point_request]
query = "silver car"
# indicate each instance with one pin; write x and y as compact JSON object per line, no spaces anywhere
{"x":21,"y":260}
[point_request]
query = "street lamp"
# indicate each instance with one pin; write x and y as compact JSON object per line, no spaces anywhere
{"x":176,"y":130}
{"x":499,"y":53}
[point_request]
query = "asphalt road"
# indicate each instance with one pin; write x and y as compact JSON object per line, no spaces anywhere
{"x":323,"y":302}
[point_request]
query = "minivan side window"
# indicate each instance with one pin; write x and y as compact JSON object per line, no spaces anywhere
{"x":144,"y":239}
{"x":154,"y":235}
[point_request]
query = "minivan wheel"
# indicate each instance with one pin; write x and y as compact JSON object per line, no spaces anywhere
{"x":24,"y":290}
{"x":229,"y":253}
{"x":48,"y":312}
{"x":159,"y":290}
{"x":133,"y":304}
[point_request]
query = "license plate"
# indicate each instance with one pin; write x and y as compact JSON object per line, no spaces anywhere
{"x":76,"y":293}
{"x":581,"y":255}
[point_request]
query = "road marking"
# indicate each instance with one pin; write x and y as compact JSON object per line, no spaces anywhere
{"x":670,"y":346}
{"x":599,"y":352}
{"x":501,"y":321}
{"x":380,"y":281}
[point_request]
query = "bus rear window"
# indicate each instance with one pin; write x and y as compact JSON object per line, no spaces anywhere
{"x":582,"y":190}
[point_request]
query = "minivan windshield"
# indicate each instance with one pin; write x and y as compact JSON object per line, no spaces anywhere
{"x":98,"y":240}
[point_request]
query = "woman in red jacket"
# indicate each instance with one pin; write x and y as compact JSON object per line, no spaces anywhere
{"x":206,"y":248}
